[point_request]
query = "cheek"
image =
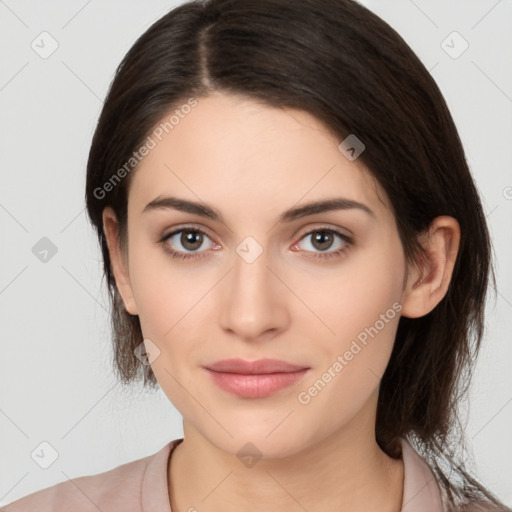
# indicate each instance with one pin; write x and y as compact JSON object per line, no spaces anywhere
{"x":164,"y":290}
{"x":361,"y":304}
{"x":354,"y":295}
{"x":350,"y":364}
{"x":166,"y":304}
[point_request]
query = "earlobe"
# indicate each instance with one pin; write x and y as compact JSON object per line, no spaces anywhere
{"x":427,"y":286}
{"x":117,"y":260}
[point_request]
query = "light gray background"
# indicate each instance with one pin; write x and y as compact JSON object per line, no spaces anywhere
{"x":56,"y":383}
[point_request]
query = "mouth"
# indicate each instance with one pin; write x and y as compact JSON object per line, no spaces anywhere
{"x":256,"y":379}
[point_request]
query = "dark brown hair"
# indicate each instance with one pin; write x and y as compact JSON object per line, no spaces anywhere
{"x":340,"y":62}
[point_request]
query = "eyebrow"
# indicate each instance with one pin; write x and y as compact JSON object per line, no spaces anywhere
{"x":203,"y":210}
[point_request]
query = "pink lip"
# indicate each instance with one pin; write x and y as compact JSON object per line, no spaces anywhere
{"x":254,"y":379}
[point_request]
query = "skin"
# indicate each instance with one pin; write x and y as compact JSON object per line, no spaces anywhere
{"x":252,"y":162}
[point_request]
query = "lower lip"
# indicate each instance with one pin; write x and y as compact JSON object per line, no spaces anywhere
{"x":255,"y":386}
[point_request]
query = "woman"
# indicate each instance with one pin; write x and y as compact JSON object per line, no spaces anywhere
{"x":297,"y":254}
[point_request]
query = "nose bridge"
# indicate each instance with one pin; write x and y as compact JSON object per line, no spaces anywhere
{"x":250,"y":274}
{"x":253,"y":304}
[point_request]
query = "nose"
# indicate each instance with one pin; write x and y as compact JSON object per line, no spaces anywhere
{"x":254,"y":300}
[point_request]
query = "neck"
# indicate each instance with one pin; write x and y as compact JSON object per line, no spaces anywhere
{"x":344,"y":471}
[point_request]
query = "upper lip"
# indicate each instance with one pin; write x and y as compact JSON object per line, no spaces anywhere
{"x":259,"y":366}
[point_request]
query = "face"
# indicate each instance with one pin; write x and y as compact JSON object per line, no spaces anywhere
{"x":321,"y":290}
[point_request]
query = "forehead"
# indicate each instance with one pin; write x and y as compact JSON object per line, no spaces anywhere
{"x":243,"y":156}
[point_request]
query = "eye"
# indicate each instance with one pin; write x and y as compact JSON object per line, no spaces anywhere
{"x":193,"y":239}
{"x":190,"y":239}
{"x":323,"y":239}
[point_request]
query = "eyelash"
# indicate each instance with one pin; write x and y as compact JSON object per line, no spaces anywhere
{"x":181,"y":256}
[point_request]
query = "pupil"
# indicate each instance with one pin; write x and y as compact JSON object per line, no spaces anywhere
{"x":322,"y":237}
{"x":187,"y":239}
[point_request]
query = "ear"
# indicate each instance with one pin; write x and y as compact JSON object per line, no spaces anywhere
{"x":427,"y":286}
{"x":117,"y":260}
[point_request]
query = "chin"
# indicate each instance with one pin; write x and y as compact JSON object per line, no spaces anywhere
{"x":257,"y":443}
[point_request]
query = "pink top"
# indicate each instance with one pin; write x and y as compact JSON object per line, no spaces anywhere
{"x":141,"y":486}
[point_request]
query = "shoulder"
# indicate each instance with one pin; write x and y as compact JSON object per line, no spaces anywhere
{"x":118,"y":489}
{"x":422,"y":485}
